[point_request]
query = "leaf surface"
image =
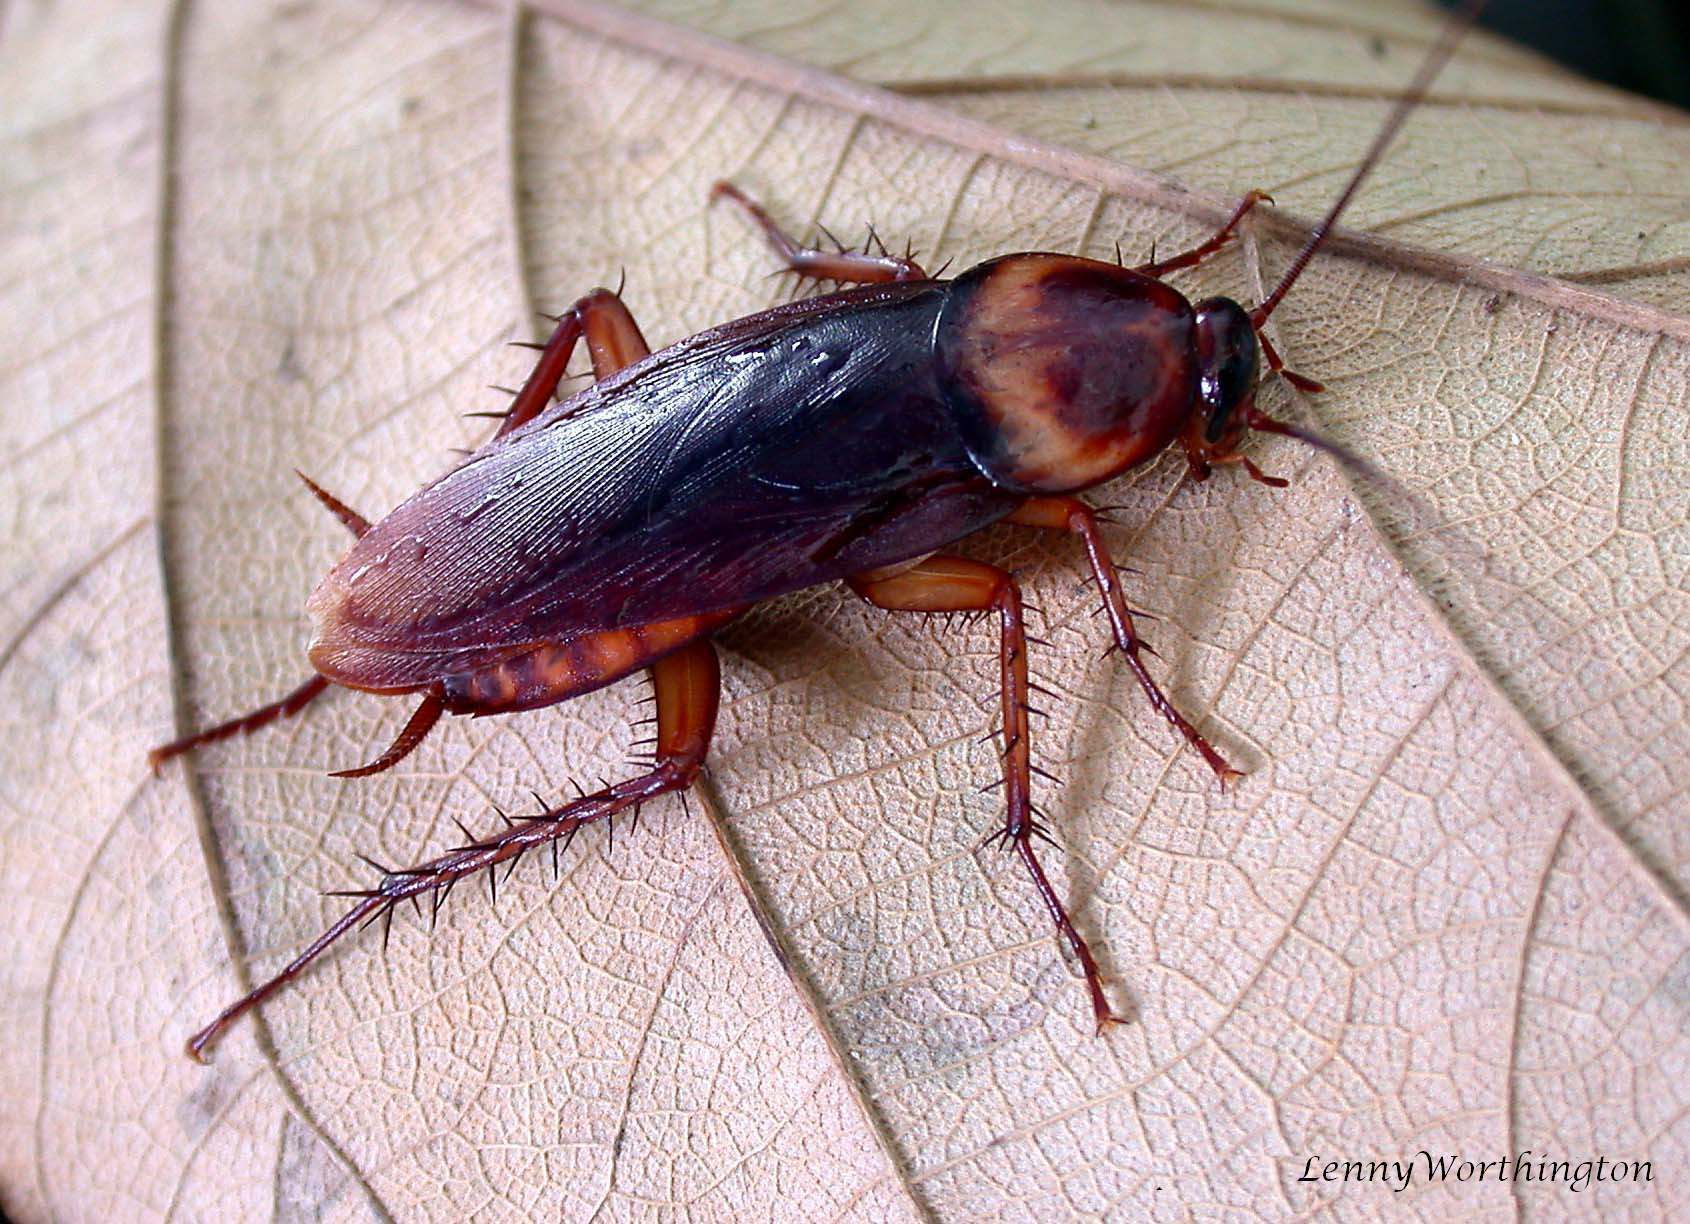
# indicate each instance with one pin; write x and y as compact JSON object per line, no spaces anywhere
{"x":1445,"y":911}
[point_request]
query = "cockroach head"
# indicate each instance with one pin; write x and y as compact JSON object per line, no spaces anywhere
{"x":1229,"y":359}
{"x":1229,"y":362}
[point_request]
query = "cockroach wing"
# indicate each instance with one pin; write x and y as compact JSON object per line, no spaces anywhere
{"x":769,"y":454}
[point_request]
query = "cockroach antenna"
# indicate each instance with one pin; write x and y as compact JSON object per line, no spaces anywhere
{"x":1453,"y":32}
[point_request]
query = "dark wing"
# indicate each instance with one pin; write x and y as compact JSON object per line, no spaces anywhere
{"x":769,"y":454}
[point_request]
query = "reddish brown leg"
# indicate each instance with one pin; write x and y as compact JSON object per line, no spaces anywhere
{"x":1197,"y":254}
{"x":847,"y":266}
{"x":955,"y":584}
{"x":1071,"y":514}
{"x":1255,"y":473}
{"x":613,"y":340}
{"x":688,"y":685}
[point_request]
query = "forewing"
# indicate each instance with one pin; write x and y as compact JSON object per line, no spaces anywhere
{"x":770,"y":454}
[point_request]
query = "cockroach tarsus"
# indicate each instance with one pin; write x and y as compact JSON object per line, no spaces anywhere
{"x":848,"y":437}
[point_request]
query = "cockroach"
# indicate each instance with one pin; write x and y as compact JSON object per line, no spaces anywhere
{"x":845,"y":437}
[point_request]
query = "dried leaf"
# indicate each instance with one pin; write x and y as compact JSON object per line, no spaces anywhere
{"x":1445,"y":911}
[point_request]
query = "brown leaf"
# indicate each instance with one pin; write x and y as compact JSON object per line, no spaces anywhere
{"x":1445,"y":911}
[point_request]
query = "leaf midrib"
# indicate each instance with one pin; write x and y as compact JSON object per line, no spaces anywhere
{"x":169,"y":101}
{"x":909,"y":113}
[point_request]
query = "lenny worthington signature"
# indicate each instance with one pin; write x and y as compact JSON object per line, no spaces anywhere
{"x":1525,"y":1166}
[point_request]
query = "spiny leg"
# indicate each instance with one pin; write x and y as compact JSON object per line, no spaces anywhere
{"x":687,"y":685}
{"x":956,"y":584}
{"x":1202,"y":251}
{"x":613,"y":340}
{"x":846,"y":266}
{"x":1073,"y":515}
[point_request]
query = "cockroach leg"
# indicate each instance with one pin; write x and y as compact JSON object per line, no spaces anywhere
{"x":688,"y":685}
{"x":613,"y":340}
{"x":1073,"y":515}
{"x":1197,"y":254}
{"x":292,"y":704}
{"x":686,"y":689}
{"x":955,"y":584}
{"x":845,"y":266}
{"x":413,"y":733}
